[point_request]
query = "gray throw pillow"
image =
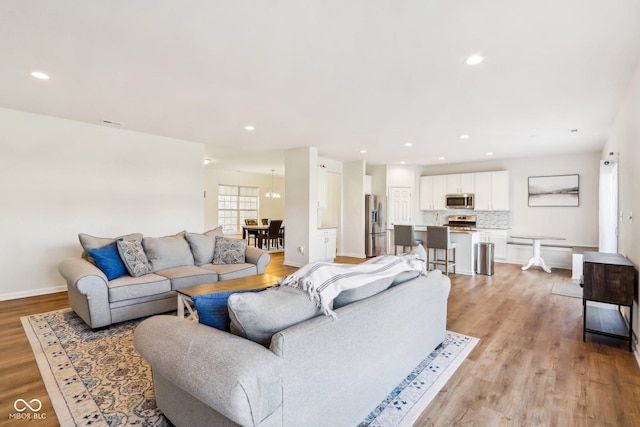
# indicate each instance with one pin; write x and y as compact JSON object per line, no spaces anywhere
{"x":133,"y":257}
{"x":203,"y":245}
{"x":89,"y":242}
{"x":356,"y":294}
{"x":258,"y":315}
{"x":167,"y":252}
{"x":229,"y":251}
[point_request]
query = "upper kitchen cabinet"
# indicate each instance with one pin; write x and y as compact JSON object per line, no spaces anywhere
{"x":433,"y":191}
{"x":492,"y":191}
{"x":462,"y":183}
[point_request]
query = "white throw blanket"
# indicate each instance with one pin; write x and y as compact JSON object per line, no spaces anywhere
{"x":324,"y":281}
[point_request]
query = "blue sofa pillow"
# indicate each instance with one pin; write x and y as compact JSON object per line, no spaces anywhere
{"x":212,"y":308}
{"x":108,"y":260}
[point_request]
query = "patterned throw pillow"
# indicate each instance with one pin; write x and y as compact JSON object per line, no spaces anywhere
{"x":134,"y":258}
{"x":229,"y":251}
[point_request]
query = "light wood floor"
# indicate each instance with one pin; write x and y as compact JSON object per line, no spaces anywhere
{"x":530,"y":367}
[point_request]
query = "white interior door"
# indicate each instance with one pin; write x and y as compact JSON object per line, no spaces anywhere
{"x":399,"y":205}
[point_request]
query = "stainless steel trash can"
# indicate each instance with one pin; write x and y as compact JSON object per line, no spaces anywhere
{"x":484,"y":258}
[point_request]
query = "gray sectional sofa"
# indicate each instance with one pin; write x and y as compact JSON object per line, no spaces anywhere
{"x":318,"y":372}
{"x":158,"y":267}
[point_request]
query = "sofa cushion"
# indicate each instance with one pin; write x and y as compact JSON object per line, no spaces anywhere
{"x":203,"y":245}
{"x":127,"y":287}
{"x":108,"y":260}
{"x":212,"y":309}
{"x":232,"y":271}
{"x":229,"y":251}
{"x":404,"y":276}
{"x":188,"y":275}
{"x":167,"y":252}
{"x":91,"y":242}
{"x":352,"y":295}
{"x":259,"y":315}
{"x":133,"y":257}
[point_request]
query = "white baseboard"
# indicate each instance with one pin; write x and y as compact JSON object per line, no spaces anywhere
{"x":32,"y":293}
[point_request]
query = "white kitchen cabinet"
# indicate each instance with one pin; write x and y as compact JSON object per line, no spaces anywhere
{"x":461,"y":183}
{"x":492,"y":191}
{"x":433,"y":190}
{"x":325,"y":245}
{"x":500,"y":190}
{"x":499,"y":239}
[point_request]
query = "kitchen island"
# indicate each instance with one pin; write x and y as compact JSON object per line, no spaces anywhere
{"x":465,"y":241}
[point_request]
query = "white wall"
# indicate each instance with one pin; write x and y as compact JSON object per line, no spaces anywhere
{"x":579,"y":225}
{"x":301,"y":211}
{"x":59,"y":178}
{"x":625,"y":140}
{"x":269,"y":207}
{"x":353,"y":193}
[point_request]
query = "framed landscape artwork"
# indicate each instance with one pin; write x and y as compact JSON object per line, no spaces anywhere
{"x":556,"y":190}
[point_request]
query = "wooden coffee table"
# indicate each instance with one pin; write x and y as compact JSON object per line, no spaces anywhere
{"x":242,"y":283}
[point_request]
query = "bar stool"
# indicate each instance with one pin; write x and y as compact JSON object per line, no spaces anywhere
{"x":438,"y":238}
{"x":404,"y":235}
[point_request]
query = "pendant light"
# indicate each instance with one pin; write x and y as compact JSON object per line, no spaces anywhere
{"x":273,"y":192}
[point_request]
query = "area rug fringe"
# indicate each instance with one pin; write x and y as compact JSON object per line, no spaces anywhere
{"x":81,"y":393}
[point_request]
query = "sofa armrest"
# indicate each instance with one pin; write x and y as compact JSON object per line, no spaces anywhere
{"x":236,"y":377}
{"x":258,"y":257}
{"x":88,"y":291}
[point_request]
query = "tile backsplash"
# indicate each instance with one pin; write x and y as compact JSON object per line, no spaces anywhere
{"x":484,"y":219}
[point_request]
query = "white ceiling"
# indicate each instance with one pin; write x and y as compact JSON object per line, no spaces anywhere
{"x":342,"y":75}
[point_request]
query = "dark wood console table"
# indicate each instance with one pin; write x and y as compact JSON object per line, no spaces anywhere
{"x":608,"y":278}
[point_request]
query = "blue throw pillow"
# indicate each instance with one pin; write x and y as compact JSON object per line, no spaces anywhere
{"x":212,"y":309}
{"x":108,"y":260}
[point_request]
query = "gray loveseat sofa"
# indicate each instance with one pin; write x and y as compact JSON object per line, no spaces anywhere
{"x":319,"y":372}
{"x":172,"y":262}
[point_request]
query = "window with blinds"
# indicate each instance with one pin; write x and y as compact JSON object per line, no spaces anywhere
{"x":235,"y":204}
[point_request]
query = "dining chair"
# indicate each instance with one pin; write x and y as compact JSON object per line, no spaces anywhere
{"x":252,"y":233}
{"x":265,"y":221}
{"x":439,"y":238}
{"x":273,"y":233}
{"x":404,"y":235}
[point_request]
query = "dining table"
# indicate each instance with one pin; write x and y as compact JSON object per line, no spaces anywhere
{"x":536,"y":259}
{"x":261,"y":231}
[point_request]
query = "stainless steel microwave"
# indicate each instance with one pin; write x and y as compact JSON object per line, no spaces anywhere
{"x":459,"y":201}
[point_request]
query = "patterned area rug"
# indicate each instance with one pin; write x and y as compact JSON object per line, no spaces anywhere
{"x":98,"y":379}
{"x":567,"y":288}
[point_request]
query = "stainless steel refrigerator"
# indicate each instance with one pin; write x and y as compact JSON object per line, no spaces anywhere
{"x":375,"y":234}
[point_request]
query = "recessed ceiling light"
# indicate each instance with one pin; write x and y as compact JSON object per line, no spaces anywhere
{"x":474,"y":60}
{"x":207,"y":161}
{"x":490,"y":153}
{"x":249,"y":128}
{"x":408,"y":144}
{"x":363,"y":151}
{"x":40,"y":75}
{"x":441,"y":158}
{"x":403,"y":162}
{"x":464,"y":136}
